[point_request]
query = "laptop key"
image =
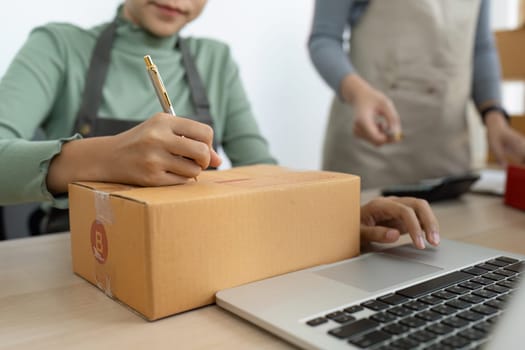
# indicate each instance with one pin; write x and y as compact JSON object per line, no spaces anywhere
{"x":517,"y":267}
{"x":499,"y":289}
{"x":444,"y":309}
{"x":493,"y":319}
{"x":458,"y":304}
{"x":487,"y":294}
{"x":428,"y":315}
{"x":442,"y":294}
{"x":334,"y":314}
{"x":476,"y":271}
{"x":455,"y":341}
{"x":457,"y":290}
{"x":393,"y":299}
{"x":506,"y":273}
{"x":495,"y":303}
{"x":405,"y":343}
{"x":498,"y":263}
{"x":353,"y":309}
{"x":494,"y":276}
{"x":369,"y":339}
{"x":484,"y":326}
{"x":435,"y":284}
{"x":470,"y":285}
{"x":415,"y":305}
{"x":400,"y":311}
{"x":429,"y":299}
{"x":423,"y":336}
{"x":354,"y":328}
{"x":375,"y":305}
{"x":471,"y":298}
{"x":484,"y":309}
{"x":506,"y":284}
{"x":383,"y":317}
{"x":439,"y":329}
{"x":507,"y":259}
{"x":343,"y":318}
{"x":470,"y":316}
{"x":412,"y":322}
{"x":482,"y":280}
{"x":395,"y":328}
{"x":471,"y":334}
{"x":316,"y":321}
{"x":455,"y":322}
{"x":487,"y":267}
{"x":504,"y":298}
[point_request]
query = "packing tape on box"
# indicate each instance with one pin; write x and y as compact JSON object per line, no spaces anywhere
{"x":103,"y":210}
{"x":103,"y":216}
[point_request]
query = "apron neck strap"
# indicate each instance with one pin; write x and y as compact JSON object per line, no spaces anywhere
{"x":96,"y":76}
{"x":97,"y":73}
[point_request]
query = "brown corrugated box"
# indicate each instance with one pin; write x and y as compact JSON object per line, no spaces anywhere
{"x":165,"y":250}
{"x":511,"y":48}
{"x":517,"y":122}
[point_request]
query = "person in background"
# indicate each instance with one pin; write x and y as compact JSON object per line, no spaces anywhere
{"x":402,"y":90}
{"x":90,"y":93}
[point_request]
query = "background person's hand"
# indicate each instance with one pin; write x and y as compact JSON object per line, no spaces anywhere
{"x":504,"y":142}
{"x":163,"y":150}
{"x":375,"y":116}
{"x":384,"y":219}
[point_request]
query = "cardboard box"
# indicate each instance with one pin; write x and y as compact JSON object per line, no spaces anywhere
{"x":165,"y":250}
{"x":511,"y":49}
{"x":517,"y":122}
{"x":515,"y":187}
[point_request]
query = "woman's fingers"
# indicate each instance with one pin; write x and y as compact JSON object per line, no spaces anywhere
{"x":403,"y":214}
{"x":425,"y":216}
{"x":379,"y":234}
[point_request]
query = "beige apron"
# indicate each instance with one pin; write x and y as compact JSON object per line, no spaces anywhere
{"x":419,"y":53}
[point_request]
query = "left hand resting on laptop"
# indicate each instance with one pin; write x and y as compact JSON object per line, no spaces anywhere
{"x":384,"y":219}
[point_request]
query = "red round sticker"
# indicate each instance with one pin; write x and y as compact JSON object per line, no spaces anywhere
{"x":99,"y":241}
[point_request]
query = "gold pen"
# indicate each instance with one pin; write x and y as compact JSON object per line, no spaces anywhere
{"x":158,"y":85}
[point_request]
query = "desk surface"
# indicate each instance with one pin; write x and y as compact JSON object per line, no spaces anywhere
{"x":43,"y":305}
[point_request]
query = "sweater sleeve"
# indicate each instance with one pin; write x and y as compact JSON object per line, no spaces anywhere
{"x":325,"y":43}
{"x":27,"y":93}
{"x":486,"y":77}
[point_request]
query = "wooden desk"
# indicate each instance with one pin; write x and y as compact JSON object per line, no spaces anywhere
{"x":43,"y":305}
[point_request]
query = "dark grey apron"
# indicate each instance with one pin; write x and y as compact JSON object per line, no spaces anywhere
{"x":88,"y":124}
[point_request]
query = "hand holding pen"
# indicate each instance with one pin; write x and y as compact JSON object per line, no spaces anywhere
{"x":162,"y":150}
{"x":166,"y":104}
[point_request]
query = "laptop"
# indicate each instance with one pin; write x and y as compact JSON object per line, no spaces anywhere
{"x":401,"y":297}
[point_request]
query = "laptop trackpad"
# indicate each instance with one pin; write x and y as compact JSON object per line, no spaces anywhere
{"x":377,"y":271}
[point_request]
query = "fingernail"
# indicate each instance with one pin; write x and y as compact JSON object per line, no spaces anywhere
{"x":391,"y":235}
{"x":435,"y":237}
{"x":420,"y":243}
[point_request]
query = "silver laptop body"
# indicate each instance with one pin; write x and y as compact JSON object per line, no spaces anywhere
{"x":284,"y":305}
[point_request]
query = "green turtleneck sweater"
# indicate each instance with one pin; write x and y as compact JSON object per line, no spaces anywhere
{"x":44,"y":84}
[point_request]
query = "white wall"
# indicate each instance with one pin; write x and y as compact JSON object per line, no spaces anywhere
{"x":268,"y":41}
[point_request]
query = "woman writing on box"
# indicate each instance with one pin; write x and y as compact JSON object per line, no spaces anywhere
{"x":89,"y":91}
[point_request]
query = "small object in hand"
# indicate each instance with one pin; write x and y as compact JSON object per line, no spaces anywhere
{"x":394,"y":136}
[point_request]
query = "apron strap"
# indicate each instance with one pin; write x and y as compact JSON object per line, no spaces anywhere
{"x":198,"y":94}
{"x":96,"y":76}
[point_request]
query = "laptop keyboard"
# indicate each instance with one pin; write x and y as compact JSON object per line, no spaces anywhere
{"x":453,"y":311}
